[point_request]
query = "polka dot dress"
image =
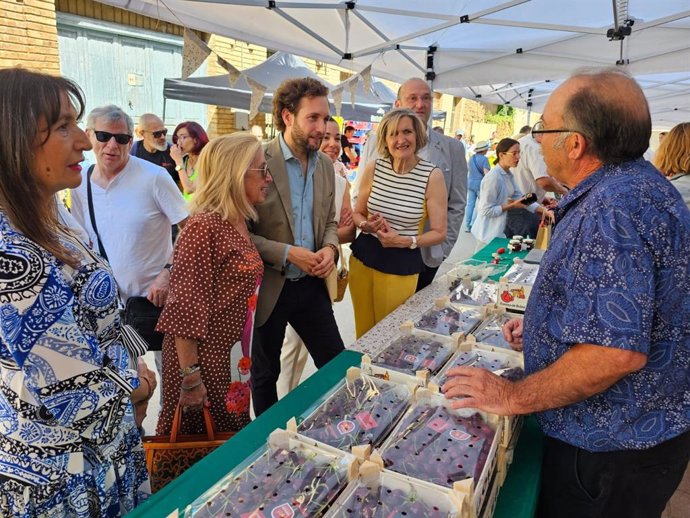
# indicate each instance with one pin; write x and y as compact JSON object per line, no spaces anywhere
{"x":215,"y":272}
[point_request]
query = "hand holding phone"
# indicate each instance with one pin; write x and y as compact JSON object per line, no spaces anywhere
{"x":529,"y":199}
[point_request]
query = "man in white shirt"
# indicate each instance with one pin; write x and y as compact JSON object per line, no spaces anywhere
{"x":448,"y":154}
{"x":530,"y":175}
{"x":135,"y":205}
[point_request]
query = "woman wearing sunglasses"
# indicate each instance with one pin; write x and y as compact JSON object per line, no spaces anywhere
{"x":216,"y":272}
{"x":189,"y":138}
{"x":70,"y":446}
{"x":499,"y":194}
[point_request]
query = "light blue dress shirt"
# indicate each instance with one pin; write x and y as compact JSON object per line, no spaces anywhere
{"x":302,"y":198}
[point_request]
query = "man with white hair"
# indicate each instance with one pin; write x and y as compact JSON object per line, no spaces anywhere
{"x":444,"y":152}
{"x":128,"y":206}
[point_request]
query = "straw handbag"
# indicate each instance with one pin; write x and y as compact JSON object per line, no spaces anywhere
{"x":168,"y":456}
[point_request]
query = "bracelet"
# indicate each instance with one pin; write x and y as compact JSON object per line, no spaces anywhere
{"x":191,"y":369}
{"x":335,"y":251}
{"x":191,"y":387}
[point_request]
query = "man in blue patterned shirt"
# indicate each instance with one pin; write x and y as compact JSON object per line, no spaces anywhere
{"x":607,"y":327}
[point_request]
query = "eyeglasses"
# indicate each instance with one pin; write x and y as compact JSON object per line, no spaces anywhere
{"x":538,"y":129}
{"x":120,"y":138}
{"x":159,"y":133}
{"x":265,"y":171}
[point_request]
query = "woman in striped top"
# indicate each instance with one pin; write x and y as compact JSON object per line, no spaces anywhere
{"x":397,"y":193}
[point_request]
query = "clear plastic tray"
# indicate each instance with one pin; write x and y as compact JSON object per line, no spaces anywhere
{"x":474,"y":293}
{"x":293,"y":479}
{"x":450,"y":319}
{"x":415,"y":351}
{"x":490,"y":331}
{"x":359,"y":411}
{"x":508,"y":361}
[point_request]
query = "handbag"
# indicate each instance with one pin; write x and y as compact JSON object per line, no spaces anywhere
{"x":337,"y":280}
{"x":543,"y":234}
{"x":143,"y":315}
{"x":168,"y":456}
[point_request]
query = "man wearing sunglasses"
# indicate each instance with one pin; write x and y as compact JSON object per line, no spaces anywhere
{"x":134,"y":205}
{"x":152,"y":145}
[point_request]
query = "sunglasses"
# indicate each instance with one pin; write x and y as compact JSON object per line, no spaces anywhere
{"x":159,"y":133}
{"x":120,"y":138}
{"x":265,"y":172}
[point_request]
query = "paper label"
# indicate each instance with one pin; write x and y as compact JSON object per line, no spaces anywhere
{"x":366,"y":420}
{"x":345,"y":426}
{"x":283,"y":511}
{"x":438,"y":424}
{"x":459,"y":435}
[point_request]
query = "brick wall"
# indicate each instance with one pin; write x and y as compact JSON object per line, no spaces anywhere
{"x":28,"y":35}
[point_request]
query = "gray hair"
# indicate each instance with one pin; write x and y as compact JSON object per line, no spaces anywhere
{"x":110,"y":113}
{"x":611,"y":111}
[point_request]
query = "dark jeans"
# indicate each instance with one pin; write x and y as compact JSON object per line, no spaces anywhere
{"x":426,"y":277}
{"x":627,"y":484}
{"x":306,"y":306}
{"x":521,"y":222}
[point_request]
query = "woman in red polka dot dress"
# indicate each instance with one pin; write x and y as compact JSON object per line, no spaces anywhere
{"x":215,"y":277}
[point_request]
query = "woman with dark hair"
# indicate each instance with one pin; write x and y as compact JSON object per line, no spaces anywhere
{"x":397,"y":193}
{"x":70,"y":445}
{"x":499,"y":194}
{"x":673,"y":159}
{"x":189,"y":138}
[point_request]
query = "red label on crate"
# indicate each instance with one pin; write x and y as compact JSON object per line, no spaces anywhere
{"x":438,"y":425}
{"x":459,"y":435}
{"x":366,"y":420}
{"x":283,"y":511}
{"x":345,"y":426}
{"x":411,"y":358}
{"x":429,"y":363}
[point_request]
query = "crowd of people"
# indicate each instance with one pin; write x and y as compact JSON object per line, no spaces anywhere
{"x":605,"y":334}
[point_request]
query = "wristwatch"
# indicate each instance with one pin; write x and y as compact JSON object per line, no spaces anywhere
{"x":179,"y":168}
{"x":413,"y":245}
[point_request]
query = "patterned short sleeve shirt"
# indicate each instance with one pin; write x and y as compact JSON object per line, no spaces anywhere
{"x":617,"y":274}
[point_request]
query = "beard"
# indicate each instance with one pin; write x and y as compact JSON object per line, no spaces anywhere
{"x":160,"y":147}
{"x":301,"y":140}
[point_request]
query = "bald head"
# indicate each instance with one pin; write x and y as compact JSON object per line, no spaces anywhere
{"x":415,"y":94}
{"x":152,"y":131}
{"x":609,"y":108}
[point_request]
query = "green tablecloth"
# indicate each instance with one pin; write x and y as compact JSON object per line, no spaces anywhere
{"x":517,"y":498}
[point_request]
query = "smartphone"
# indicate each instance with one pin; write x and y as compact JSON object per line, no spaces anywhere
{"x":529,"y":199}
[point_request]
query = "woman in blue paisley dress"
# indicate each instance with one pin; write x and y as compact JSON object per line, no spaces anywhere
{"x":69,"y":446}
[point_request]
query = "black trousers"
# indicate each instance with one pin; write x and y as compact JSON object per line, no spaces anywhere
{"x":627,"y":484}
{"x":305,"y":305}
{"x":426,"y":277}
{"x":521,"y":222}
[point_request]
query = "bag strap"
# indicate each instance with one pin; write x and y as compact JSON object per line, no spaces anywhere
{"x":343,"y":264}
{"x":101,"y":248}
{"x":177,"y":424}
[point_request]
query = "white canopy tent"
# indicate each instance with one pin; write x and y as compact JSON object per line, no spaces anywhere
{"x":493,"y":47}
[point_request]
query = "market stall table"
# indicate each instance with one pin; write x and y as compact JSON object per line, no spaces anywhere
{"x":516,"y":499}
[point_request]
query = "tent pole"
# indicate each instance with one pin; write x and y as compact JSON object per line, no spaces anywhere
{"x":164,"y":106}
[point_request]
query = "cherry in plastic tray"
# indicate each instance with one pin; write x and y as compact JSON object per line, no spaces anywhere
{"x":361,"y":411}
{"x":385,"y":502}
{"x":279,"y":483}
{"x":411,"y":353}
{"x":439,"y":446}
{"x":449,"y":320}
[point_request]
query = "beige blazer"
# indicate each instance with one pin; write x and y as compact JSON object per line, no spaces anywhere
{"x":275,"y":227}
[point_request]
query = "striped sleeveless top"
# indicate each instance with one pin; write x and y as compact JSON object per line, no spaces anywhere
{"x":400,"y":198}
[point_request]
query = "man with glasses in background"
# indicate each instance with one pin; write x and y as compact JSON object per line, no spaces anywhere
{"x":152,"y":145}
{"x":134,"y":202}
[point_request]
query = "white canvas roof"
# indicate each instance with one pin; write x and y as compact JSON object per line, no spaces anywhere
{"x":484,"y":45}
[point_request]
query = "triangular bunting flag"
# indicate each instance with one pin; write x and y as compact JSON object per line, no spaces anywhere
{"x":258,"y":91}
{"x":194,"y":53}
{"x":233,"y":73}
{"x":337,"y":100}
{"x":366,"y":77}
{"x":352,"y":85}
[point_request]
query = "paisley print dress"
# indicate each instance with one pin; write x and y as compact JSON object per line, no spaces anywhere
{"x":68,"y":443}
